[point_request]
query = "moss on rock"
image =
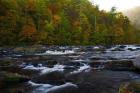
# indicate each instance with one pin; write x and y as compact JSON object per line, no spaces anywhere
{"x":131,"y":87}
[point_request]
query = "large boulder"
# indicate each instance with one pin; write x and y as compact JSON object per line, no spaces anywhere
{"x":7,"y":79}
{"x":136,"y":62}
{"x":120,"y":65}
{"x":116,"y":65}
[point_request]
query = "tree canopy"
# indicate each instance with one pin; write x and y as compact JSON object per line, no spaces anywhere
{"x":62,"y":22}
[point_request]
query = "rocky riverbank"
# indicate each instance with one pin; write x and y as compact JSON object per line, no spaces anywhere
{"x":69,"y":69}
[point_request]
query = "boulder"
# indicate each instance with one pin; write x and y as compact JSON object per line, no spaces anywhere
{"x":122,"y":46}
{"x":54,"y":78}
{"x":11,"y":79}
{"x":131,"y":49}
{"x":30,"y":49}
{"x":136,"y":62}
{"x":96,"y":64}
{"x":117,"y":49}
{"x":51,"y":63}
{"x":75,"y":64}
{"x":120,"y":65}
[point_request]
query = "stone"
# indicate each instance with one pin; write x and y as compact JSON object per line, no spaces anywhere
{"x":75,"y":64}
{"x":54,"y":78}
{"x":120,"y":65}
{"x":136,"y":62}
{"x":11,"y":79}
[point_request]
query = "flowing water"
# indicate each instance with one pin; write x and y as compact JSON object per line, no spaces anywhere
{"x":56,"y":67}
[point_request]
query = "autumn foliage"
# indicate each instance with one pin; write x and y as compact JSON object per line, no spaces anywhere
{"x":63,"y":22}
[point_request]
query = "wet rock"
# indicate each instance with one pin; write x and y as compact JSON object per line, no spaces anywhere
{"x":12,"y":68}
{"x":51,"y":63}
{"x":122,"y":46}
{"x":6,"y":62}
{"x":88,"y":48}
{"x":97,"y":64}
{"x":136,"y":62}
{"x":76,"y":64}
{"x":29,"y":73}
{"x":37,"y":63}
{"x":29,"y":58}
{"x":19,"y":70}
{"x":11,"y":79}
{"x":54,"y":78}
{"x":131,"y":49}
{"x":66,"y":88}
{"x":117,"y":49}
{"x":9,"y":66}
{"x":75,"y":78}
{"x":102,"y":81}
{"x":97,"y":58}
{"x":137,"y":48}
{"x":70,"y":68}
{"x":94,"y":48}
{"x":30,"y":49}
{"x":19,"y":88}
{"x":120,"y":65}
{"x":130,"y":87}
{"x":6,"y":52}
{"x":59,"y":69}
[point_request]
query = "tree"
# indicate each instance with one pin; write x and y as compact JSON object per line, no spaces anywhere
{"x":28,"y":33}
{"x":65,"y":22}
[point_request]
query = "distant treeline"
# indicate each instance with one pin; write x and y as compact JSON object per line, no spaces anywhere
{"x":62,"y":22}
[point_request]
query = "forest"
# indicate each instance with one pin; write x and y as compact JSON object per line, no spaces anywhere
{"x":63,"y":22}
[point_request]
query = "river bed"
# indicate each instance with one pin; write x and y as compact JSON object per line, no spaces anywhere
{"x":70,"y":69}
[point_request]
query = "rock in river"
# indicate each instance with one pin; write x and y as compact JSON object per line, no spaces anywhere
{"x":54,"y":78}
{"x":136,"y":62}
{"x":7,"y":79}
{"x":120,"y":65}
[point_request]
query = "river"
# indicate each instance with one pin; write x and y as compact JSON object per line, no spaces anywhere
{"x":70,"y":69}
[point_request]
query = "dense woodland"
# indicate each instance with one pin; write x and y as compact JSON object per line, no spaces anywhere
{"x":62,"y":22}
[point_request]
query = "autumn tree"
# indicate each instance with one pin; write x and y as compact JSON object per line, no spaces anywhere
{"x":63,"y":22}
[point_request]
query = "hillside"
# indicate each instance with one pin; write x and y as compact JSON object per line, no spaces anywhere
{"x":62,"y":22}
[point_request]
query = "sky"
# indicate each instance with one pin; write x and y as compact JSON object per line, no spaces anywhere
{"x":121,"y":5}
